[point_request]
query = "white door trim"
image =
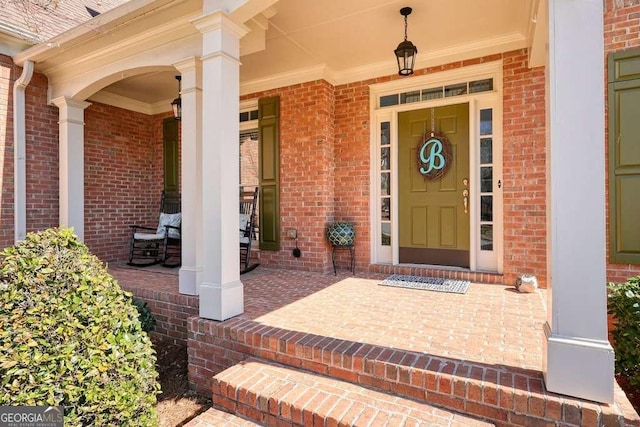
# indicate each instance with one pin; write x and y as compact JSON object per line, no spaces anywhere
{"x":388,"y":254}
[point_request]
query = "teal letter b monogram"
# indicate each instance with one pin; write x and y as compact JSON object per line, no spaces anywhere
{"x":435,"y":159}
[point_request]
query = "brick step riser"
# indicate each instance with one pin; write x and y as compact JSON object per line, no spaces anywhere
{"x":293,"y":397}
{"x":266,"y":410}
{"x":478,"y":390}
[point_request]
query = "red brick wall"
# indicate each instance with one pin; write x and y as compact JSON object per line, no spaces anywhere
{"x":324,"y":168}
{"x":324,"y":161}
{"x":306,"y":174}
{"x":170,"y":309}
{"x":524,"y":163}
{"x":210,"y":352}
{"x":621,"y":32}
{"x":122,"y":182}
{"x":524,"y":185}
{"x":41,"y":154}
{"x":352,"y":168}
{"x":621,"y":25}
{"x":123,"y":167}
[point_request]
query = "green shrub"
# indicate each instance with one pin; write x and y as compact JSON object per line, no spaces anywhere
{"x":624,"y":304}
{"x":147,"y":319}
{"x":69,"y":336}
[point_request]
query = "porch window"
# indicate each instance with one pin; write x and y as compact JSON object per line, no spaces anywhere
{"x":389,"y":100}
{"x":485,"y":85}
{"x":385,"y":183}
{"x":486,"y":179}
{"x":247,"y":116}
{"x":455,"y":90}
{"x":249,"y":159}
{"x":436,"y":92}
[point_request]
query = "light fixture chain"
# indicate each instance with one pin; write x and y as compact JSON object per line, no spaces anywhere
{"x":405,"y":28}
{"x":433,"y":119}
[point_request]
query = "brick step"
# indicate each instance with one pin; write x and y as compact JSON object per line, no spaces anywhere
{"x":501,"y":394}
{"x":273,"y":394}
{"x":216,"y":418}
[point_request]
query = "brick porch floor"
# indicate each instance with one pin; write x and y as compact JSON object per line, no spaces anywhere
{"x":479,"y":353}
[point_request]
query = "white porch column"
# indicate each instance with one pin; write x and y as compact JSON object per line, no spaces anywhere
{"x":71,"y":169}
{"x":221,"y":291}
{"x":191,"y":178}
{"x":578,"y":359}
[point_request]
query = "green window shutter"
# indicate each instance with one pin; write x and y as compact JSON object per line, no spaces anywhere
{"x":624,"y":157}
{"x":269,"y":172}
{"x":170,"y":155}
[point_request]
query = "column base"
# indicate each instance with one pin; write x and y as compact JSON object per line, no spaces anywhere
{"x":577,"y":367}
{"x":188,"y":279}
{"x":221,"y":301}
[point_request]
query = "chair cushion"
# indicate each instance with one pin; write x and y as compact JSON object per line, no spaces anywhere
{"x":244,"y":221}
{"x":148,"y":236}
{"x":169,"y":219}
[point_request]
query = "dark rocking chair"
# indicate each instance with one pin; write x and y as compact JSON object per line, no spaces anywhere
{"x":248,"y":202}
{"x":150,"y":246}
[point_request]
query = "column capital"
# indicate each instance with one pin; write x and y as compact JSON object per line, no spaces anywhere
{"x":65,"y":102}
{"x":191,"y":71}
{"x":70,"y":110}
{"x":220,"y":20}
{"x":187,"y":64}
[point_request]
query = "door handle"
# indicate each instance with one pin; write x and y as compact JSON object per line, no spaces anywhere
{"x":465,"y":200}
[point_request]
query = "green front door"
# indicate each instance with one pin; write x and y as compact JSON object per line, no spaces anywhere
{"x":433,"y":214}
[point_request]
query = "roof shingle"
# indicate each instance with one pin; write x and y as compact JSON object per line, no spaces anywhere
{"x":40,"y":20}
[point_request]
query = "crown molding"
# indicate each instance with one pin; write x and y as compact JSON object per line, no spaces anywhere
{"x":161,"y":107}
{"x":303,"y":75}
{"x":433,"y":58}
{"x":476,"y":49}
{"x":109,"y":98}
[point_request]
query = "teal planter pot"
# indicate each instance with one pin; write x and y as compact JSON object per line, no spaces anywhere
{"x":341,"y":233}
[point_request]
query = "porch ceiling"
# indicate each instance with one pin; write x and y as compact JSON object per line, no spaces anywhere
{"x":344,"y":41}
{"x":349,"y":37}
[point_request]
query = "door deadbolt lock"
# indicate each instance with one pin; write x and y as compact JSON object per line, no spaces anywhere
{"x":465,"y":182}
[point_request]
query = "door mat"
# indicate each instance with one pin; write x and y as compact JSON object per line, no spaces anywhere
{"x":427,"y":283}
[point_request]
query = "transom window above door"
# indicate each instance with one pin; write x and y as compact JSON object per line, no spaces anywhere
{"x":445,"y":91}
